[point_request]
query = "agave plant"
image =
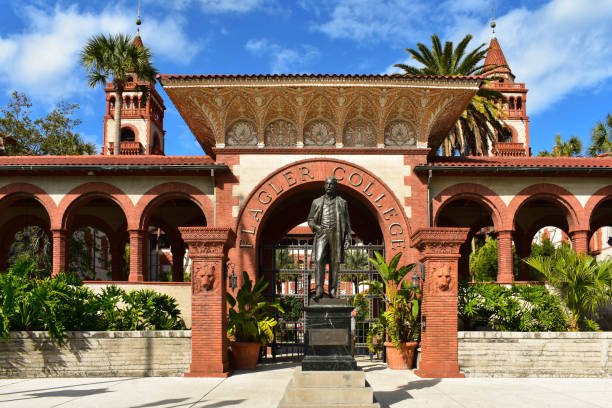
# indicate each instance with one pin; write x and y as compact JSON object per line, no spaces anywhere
{"x":583,"y":283}
{"x":253,"y":319}
{"x":403,"y":302}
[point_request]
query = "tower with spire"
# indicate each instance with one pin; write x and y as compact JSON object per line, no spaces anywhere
{"x":502,"y":79}
{"x":142,"y":118}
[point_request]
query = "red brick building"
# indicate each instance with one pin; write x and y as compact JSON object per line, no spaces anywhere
{"x":268,"y":143}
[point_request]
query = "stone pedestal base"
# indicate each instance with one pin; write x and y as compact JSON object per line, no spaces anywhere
{"x":323,"y":389}
{"x":328,"y":337}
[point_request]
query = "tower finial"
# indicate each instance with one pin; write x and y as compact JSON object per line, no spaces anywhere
{"x":138,"y":22}
{"x":493,"y":25}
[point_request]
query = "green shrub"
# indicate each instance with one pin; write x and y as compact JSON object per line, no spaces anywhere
{"x":518,"y":308}
{"x":62,"y":303}
{"x":293,"y":307}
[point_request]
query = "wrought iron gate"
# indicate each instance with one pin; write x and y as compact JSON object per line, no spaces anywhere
{"x":290,"y":273}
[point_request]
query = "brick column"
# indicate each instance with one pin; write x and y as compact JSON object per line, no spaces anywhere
{"x":505,"y":261}
{"x":60,"y":251}
{"x":208,"y":250}
{"x":580,"y":242}
{"x":439,"y":249}
{"x":137,"y":253}
{"x":178,"y":253}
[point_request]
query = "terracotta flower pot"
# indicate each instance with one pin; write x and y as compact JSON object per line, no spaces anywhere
{"x":244,"y":355}
{"x":401,"y":360}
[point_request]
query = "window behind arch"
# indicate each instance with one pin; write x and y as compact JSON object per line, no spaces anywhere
{"x":127,"y":135}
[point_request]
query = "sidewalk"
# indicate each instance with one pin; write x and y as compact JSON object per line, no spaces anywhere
{"x":264,"y":387}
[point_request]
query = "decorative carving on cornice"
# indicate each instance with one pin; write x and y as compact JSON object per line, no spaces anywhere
{"x":280,"y":132}
{"x":319,"y":132}
{"x":359,"y":133}
{"x":400,"y":133}
{"x":359,"y":110}
{"x":241,"y":133}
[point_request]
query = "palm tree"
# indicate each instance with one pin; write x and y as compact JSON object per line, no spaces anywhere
{"x":571,"y":148}
{"x":482,"y":120}
{"x":117,"y":58}
{"x":582,"y":282}
{"x":601,"y":137}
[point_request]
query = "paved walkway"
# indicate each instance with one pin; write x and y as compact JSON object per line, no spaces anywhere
{"x":264,"y":387}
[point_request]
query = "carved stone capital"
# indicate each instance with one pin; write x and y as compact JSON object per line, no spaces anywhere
{"x":439,"y":241}
{"x":207,"y":242}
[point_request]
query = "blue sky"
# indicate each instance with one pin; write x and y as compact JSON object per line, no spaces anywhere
{"x":560,"y":48}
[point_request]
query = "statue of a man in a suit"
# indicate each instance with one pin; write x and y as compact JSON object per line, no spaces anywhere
{"x":329,"y":221}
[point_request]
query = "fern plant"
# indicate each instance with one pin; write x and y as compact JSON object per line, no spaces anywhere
{"x":401,"y":319}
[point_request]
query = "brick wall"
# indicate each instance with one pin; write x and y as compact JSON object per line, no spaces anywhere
{"x":511,"y":354}
{"x":97,"y":354}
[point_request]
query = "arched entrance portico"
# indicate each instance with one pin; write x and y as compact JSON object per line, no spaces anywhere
{"x":303,"y":180}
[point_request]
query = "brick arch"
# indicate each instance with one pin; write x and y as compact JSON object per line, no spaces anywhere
{"x":553,"y":193}
{"x":92,"y":190}
{"x":476,"y":192}
{"x":305,"y":174}
{"x":86,"y":220}
{"x":597,"y":198}
{"x":163,"y":192}
{"x":133,"y":129}
{"x":14,"y":225}
{"x":12,"y":192}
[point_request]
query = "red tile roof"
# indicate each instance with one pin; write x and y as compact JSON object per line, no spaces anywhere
{"x":304,"y":76}
{"x":495,"y":56}
{"x":100,"y":160}
{"x":520,"y":162}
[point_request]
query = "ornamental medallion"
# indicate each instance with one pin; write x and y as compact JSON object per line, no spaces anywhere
{"x":241,"y":133}
{"x":319,"y":133}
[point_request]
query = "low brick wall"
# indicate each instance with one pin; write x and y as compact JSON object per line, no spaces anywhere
{"x":97,"y":354}
{"x":512,"y":354}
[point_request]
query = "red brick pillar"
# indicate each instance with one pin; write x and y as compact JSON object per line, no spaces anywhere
{"x":178,"y":253}
{"x":505,"y":261}
{"x":60,"y":251}
{"x":137,"y":253}
{"x":439,"y":249}
{"x":208,"y":250}
{"x":580,"y":242}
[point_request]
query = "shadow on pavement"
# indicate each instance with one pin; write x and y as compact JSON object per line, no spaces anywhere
{"x":227,"y":403}
{"x":69,"y":393}
{"x":387,"y":398}
{"x":71,"y":386}
{"x":268,"y":367}
{"x":161,"y":403}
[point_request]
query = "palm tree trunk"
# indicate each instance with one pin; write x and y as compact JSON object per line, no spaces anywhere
{"x":117,"y":138}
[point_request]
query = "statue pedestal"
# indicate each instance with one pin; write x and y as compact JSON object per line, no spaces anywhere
{"x":328,"y":336}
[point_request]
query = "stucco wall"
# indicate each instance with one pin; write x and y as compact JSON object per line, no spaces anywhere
{"x":511,"y":354}
{"x":254,"y":168}
{"x":507,"y":187}
{"x":97,"y":354}
{"x":181,"y":291}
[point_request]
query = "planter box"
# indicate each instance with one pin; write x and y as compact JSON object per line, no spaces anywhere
{"x":97,"y":354}
{"x":546,"y":354}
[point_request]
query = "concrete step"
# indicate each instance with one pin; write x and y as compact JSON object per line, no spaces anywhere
{"x":322,"y":389}
{"x":321,"y":395}
{"x":289,"y":405}
{"x":333,"y":379}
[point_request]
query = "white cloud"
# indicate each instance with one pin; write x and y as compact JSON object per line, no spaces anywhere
{"x":43,"y":60}
{"x":216,"y":6}
{"x":556,"y":48}
{"x":283,"y":60}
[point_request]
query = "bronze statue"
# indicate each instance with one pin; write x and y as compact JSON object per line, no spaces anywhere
{"x":329,"y":221}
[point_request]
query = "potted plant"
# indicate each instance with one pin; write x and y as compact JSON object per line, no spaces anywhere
{"x":400,"y":321}
{"x":250,"y":323}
